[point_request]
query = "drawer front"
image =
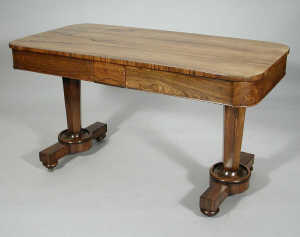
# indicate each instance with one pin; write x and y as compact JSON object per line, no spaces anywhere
{"x":213,"y":90}
{"x":53,"y":64}
{"x":110,"y":74}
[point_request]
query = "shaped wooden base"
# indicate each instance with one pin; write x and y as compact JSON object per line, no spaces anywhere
{"x":69,"y":143}
{"x":222,"y":185}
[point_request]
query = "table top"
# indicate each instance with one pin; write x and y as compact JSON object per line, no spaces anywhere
{"x":186,"y":53}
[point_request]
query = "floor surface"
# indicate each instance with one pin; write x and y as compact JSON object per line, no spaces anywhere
{"x":145,"y":179}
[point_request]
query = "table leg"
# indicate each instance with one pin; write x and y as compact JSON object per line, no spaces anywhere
{"x":74,"y":139}
{"x":233,"y":174}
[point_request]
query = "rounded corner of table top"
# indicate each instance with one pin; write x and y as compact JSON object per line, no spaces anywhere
{"x":252,"y":92}
{"x":11,"y":44}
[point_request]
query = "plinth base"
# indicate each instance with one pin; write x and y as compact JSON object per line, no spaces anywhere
{"x":69,"y":143}
{"x":222,"y":185}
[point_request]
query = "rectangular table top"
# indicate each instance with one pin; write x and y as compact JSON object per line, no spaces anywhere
{"x":224,"y":58}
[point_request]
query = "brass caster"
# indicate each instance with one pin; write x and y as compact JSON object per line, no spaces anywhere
{"x":50,"y":167}
{"x":209,"y":213}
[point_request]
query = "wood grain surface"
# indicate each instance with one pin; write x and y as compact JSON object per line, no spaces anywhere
{"x":233,"y":135}
{"x":169,"y":83}
{"x":229,"y":71}
{"x":72,"y":93}
{"x":186,"y":53}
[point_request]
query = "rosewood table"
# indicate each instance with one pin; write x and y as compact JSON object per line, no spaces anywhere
{"x":234,"y":72}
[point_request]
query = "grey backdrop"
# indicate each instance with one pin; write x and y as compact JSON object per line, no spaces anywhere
{"x":146,"y":178}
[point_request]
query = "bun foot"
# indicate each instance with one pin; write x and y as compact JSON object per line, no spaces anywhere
{"x":209,"y":213}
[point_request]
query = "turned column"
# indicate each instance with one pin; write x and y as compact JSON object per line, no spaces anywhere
{"x":233,"y":134}
{"x":72,"y":93}
{"x":232,"y":175}
{"x":74,"y":139}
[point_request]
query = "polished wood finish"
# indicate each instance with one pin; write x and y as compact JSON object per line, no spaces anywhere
{"x":217,"y":191}
{"x":233,"y":174}
{"x":212,"y":198}
{"x":224,"y":70}
{"x":55,"y":65}
{"x":109,"y":74}
{"x":190,"y":54}
{"x":247,"y":159}
{"x":213,"y":90}
{"x":234,"y":72}
{"x":168,"y":83}
{"x":50,"y":156}
{"x":72,"y":91}
{"x":99,"y":72}
{"x":251,"y":93}
{"x":74,"y":139}
{"x":233,"y":134}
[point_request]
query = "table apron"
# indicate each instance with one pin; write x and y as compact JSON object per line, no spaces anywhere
{"x":238,"y":94}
